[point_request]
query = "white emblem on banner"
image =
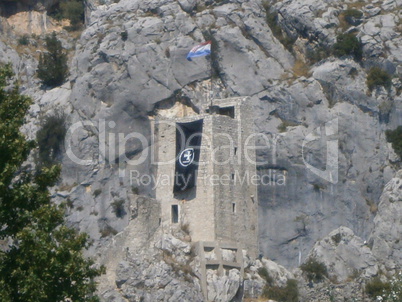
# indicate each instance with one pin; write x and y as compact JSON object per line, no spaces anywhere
{"x":186,"y":157}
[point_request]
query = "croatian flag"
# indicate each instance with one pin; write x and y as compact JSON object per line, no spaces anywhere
{"x":200,"y":50}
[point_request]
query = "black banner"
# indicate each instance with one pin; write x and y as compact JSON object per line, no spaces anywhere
{"x":188,"y":143}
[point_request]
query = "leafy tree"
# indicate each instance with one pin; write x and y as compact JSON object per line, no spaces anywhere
{"x":348,"y":44}
{"x":315,"y":270}
{"x":395,"y":137}
{"x":50,"y":139}
{"x":43,"y":261}
{"x":52,"y":68}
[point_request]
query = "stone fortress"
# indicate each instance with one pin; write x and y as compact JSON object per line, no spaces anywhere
{"x":220,"y":209}
{"x":222,"y":205}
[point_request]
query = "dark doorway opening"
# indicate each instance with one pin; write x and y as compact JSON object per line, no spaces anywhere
{"x":175,"y":213}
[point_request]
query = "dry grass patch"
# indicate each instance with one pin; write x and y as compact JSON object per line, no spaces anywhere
{"x":357,"y":5}
{"x":301,"y":69}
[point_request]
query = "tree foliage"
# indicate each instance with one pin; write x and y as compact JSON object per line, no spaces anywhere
{"x":348,"y":44}
{"x":43,"y":261}
{"x":395,"y":138}
{"x":52,"y":68}
{"x":50,"y":139}
{"x":74,"y":11}
{"x":316,"y":271}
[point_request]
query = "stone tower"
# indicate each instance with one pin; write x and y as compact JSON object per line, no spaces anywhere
{"x":213,"y":154}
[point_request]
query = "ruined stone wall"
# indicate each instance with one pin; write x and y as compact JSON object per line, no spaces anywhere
{"x":195,"y":205}
{"x":236,"y":198}
{"x":199,"y":206}
{"x":227,"y":203}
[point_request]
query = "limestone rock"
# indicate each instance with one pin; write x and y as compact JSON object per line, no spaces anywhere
{"x":222,"y":288}
{"x":279,"y":274}
{"x":149,"y":271}
{"x":187,"y":5}
{"x":345,"y":255}
{"x":387,"y":233}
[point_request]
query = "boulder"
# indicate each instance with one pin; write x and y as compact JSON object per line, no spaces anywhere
{"x":345,"y":255}
{"x":222,"y":288}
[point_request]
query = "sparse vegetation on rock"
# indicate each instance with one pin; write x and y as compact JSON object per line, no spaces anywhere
{"x":23,"y":40}
{"x":375,"y":287}
{"x":395,"y":138}
{"x":289,"y":293}
{"x":124,"y":35}
{"x":348,"y":45}
{"x":52,"y":68}
{"x":315,"y":271}
{"x":378,"y":77}
{"x":50,"y":139}
{"x":350,"y":17}
{"x":272,"y":21}
{"x":73,"y":10}
{"x":118,"y":208}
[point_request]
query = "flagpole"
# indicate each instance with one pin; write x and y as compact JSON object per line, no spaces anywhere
{"x":211,"y":79}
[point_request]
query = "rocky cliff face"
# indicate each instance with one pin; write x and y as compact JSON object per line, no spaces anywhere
{"x":124,"y":81}
{"x":129,"y":63}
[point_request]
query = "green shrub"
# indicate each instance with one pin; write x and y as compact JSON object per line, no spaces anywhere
{"x":52,"y":68}
{"x":351,"y":14}
{"x":50,"y":138}
{"x":97,"y":192}
{"x":107,"y":231}
{"x":124,"y":35}
{"x":375,"y":287}
{"x":348,"y":44}
{"x":55,"y":12}
{"x":74,"y":11}
{"x":337,"y":238}
{"x":135,"y":190}
{"x":395,"y":138}
{"x":290,"y":293}
{"x":263,"y":272}
{"x":350,"y":17}
{"x":378,"y":77}
{"x":394,"y":294}
{"x":23,"y":40}
{"x":315,"y":271}
{"x":118,"y":208}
